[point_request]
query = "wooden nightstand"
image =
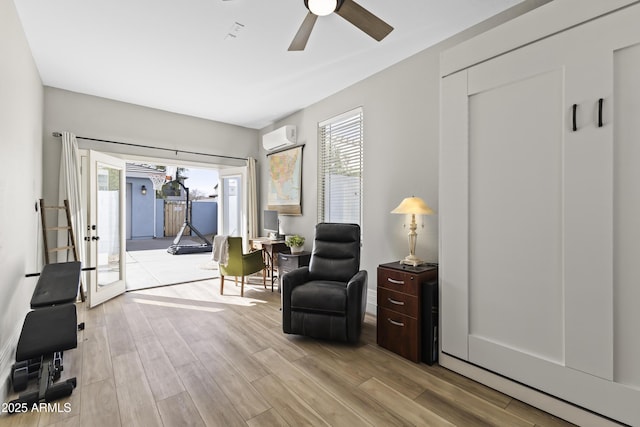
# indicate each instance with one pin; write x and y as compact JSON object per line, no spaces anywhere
{"x":400,"y":313}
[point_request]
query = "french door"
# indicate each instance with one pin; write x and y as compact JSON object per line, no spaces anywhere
{"x":104,"y":195}
{"x":232,"y":209}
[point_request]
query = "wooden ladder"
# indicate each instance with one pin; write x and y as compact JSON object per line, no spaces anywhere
{"x":71,"y":239}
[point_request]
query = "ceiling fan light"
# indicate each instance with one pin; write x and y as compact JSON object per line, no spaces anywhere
{"x":322,"y":7}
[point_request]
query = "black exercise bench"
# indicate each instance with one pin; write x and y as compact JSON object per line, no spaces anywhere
{"x":46,"y":333}
{"x":48,"y":330}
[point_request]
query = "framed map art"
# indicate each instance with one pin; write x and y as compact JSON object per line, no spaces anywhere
{"x":285,"y":181}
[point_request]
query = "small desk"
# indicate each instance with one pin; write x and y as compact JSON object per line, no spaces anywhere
{"x":270,"y":249}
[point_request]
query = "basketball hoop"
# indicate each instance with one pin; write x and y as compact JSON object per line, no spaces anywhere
{"x":157,"y":181}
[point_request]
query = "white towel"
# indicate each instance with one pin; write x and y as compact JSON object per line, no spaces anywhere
{"x":220,"y":252}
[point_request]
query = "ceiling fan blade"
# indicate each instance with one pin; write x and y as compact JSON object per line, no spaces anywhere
{"x":302,"y":36}
{"x":365,"y":20}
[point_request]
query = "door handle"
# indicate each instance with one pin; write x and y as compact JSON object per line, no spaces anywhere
{"x":95,"y":237}
{"x":575,"y":112}
{"x":600,"y":102}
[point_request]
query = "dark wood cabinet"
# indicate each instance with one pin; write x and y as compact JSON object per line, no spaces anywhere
{"x":288,"y":262}
{"x":400,"y":313}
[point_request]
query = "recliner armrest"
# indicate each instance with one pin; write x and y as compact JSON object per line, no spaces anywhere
{"x":358,"y":280}
{"x":294,"y":278}
{"x":290,"y":280}
{"x":357,"y":304}
{"x":357,"y":291}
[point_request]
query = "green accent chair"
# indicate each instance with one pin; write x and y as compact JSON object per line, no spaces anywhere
{"x":241,"y":264}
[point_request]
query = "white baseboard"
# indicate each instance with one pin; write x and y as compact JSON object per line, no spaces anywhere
{"x":372,"y":302}
{"x":545,"y":402}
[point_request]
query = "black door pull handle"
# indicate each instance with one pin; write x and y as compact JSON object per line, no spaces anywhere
{"x":575,"y":110}
{"x":600,"y":102}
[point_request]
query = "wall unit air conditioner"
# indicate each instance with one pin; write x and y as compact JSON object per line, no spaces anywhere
{"x":279,"y":138}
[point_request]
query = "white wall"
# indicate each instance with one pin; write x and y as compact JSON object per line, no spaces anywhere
{"x":101,"y":118}
{"x":21,"y":183}
{"x":401,"y":131}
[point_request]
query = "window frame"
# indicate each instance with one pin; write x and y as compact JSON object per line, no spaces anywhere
{"x":348,"y":126}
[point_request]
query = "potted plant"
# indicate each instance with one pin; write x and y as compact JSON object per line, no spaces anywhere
{"x":296,"y":243}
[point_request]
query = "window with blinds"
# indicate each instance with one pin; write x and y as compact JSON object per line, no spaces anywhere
{"x":340,"y":168}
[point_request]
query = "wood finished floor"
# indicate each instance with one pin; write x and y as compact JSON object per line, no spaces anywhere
{"x":184,"y":355}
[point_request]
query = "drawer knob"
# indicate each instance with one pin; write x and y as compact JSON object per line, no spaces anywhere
{"x":396,"y":302}
{"x":393,"y":322}
{"x":395,"y":282}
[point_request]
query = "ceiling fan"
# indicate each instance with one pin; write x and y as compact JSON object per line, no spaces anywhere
{"x":349,"y":10}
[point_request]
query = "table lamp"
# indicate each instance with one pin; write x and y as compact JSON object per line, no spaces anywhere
{"x":414,"y":206}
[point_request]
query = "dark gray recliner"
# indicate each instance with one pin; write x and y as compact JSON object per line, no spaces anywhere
{"x":328,"y":298}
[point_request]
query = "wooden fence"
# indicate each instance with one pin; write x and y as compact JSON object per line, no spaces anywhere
{"x":174,"y":214}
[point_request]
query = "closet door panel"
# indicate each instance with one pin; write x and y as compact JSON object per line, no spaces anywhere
{"x":515,"y":214}
{"x":535,"y":83}
{"x":627,"y":215}
{"x":598,"y":225}
{"x":588,"y":214}
{"x":453,"y":203}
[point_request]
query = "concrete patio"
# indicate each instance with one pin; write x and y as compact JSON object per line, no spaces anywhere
{"x":150,"y":265}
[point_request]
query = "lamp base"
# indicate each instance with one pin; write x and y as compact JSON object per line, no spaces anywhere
{"x":412,"y":260}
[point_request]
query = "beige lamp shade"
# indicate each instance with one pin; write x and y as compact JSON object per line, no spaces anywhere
{"x":413,"y":205}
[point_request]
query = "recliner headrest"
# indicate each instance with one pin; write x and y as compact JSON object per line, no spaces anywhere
{"x":336,"y":252}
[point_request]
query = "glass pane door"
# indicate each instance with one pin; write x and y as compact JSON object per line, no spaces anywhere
{"x":109,"y":260}
{"x":106,"y":227}
{"x":232,"y":218}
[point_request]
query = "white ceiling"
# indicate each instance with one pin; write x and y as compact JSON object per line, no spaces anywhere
{"x":178,"y":55}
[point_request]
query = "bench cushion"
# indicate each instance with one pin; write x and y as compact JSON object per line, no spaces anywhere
{"x":58,"y":284}
{"x":48,"y":330}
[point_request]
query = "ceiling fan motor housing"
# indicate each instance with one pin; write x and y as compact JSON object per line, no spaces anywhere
{"x":338,"y":5}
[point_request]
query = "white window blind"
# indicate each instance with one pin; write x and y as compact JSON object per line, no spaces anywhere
{"x":340,"y":168}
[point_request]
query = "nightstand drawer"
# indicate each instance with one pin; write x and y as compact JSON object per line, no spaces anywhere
{"x":400,"y":281}
{"x":398,"y":302}
{"x":399,"y":333}
{"x":287,"y":262}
